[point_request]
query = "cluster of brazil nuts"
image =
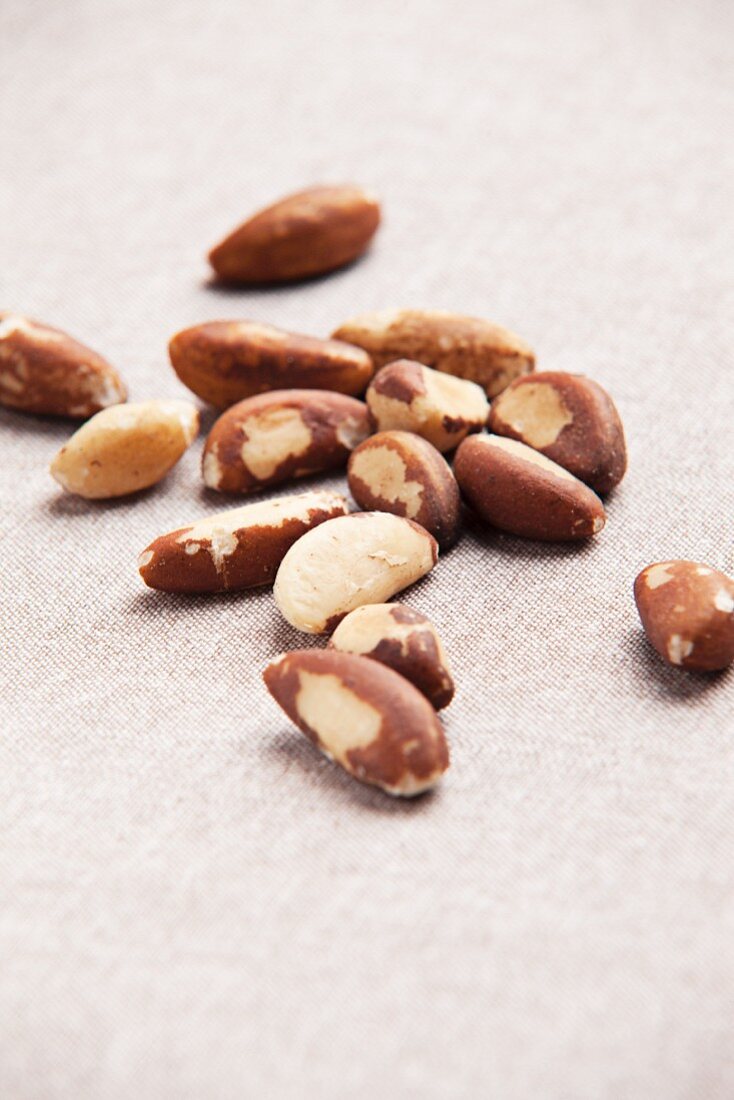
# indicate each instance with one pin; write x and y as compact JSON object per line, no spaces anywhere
{"x":387,"y":396}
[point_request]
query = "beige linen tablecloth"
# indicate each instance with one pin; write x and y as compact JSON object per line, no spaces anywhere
{"x":195,"y":904}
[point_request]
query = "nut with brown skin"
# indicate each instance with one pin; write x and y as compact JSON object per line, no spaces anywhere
{"x":570,"y":419}
{"x":362,"y":715}
{"x":125,"y":448}
{"x":464,"y":346}
{"x":45,"y":371}
{"x":402,"y":473}
{"x":241,"y":548}
{"x":282,"y":435}
{"x":363,"y":558}
{"x":442,"y":409}
{"x":306,"y":234}
{"x":402,"y":639}
{"x":687,"y":611}
{"x":226,"y":361}
{"x":519,"y":490}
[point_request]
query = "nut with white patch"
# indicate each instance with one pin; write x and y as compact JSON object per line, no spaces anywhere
{"x":363,"y":558}
{"x":687,"y":611}
{"x":362,"y":715}
{"x":402,"y":639}
{"x":402,"y":473}
{"x":125,"y":448}
{"x":241,"y":548}
{"x":279,"y":436}
{"x":43,"y":370}
{"x":517,"y":489}
{"x":443,"y":409}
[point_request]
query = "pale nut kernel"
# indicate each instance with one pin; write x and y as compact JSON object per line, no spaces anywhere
{"x":125,"y":448}
{"x":363,"y":558}
{"x":45,"y":371}
{"x":280,"y":436}
{"x":568,"y":418}
{"x":467,"y":347}
{"x":402,"y":473}
{"x":518,"y":490}
{"x":363,"y":716}
{"x":438,"y":407}
{"x":687,"y":611}
{"x":402,"y":639}
{"x":240,"y":548}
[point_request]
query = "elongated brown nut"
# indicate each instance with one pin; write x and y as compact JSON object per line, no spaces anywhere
{"x":402,"y":639}
{"x":687,"y":611}
{"x":125,"y":448}
{"x":521,"y":491}
{"x":401,"y":473}
{"x":309,"y":233}
{"x":227,"y":361}
{"x":465,"y":346}
{"x":364,"y":716}
{"x":570,"y":419}
{"x":363,"y":558}
{"x":274,"y":437}
{"x":241,"y":548}
{"x":43,"y":370}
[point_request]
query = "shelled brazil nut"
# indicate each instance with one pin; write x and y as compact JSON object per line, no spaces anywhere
{"x":687,"y":611}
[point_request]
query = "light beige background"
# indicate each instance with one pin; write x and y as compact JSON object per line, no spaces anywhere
{"x":194,"y":903}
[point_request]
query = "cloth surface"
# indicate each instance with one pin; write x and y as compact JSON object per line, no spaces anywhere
{"x":195,"y":903}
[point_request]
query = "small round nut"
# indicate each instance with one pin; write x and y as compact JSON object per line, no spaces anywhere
{"x":687,"y":611}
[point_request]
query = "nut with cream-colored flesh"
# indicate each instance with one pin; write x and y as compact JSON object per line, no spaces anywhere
{"x":402,"y":639}
{"x":464,"y":346}
{"x":282,"y":435}
{"x":363,"y":716}
{"x":687,"y":611}
{"x":241,"y":548}
{"x":125,"y":448}
{"x":363,"y":558}
{"x":519,"y":490}
{"x":409,"y":396}
{"x":402,"y":473}
{"x":568,"y":418}
{"x":45,"y":371}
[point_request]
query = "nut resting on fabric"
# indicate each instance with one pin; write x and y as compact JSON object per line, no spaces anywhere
{"x":687,"y":611}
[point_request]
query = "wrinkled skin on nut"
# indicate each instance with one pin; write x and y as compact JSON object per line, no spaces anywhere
{"x":309,"y":233}
{"x":517,"y":489}
{"x":362,"y":715}
{"x":401,"y":473}
{"x":125,"y":448}
{"x":283,"y":435}
{"x":45,"y":371}
{"x":570,"y":419}
{"x":363,"y":558}
{"x":226,"y":361}
{"x":402,"y":639}
{"x":438,"y":407}
{"x":463,"y":346}
{"x":241,"y":548}
{"x":687,"y":611}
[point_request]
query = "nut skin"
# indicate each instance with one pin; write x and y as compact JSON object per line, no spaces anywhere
{"x":226,"y":361}
{"x":241,"y":548}
{"x":366,"y":557}
{"x":687,"y":611}
{"x":282,"y":435}
{"x":467,"y":347}
{"x":518,"y":490}
{"x":310,"y":233}
{"x":402,"y":473}
{"x":45,"y":371}
{"x":362,"y":715}
{"x":402,"y":639}
{"x":569,"y":418}
{"x":125,"y":448}
{"x":443,"y":409}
